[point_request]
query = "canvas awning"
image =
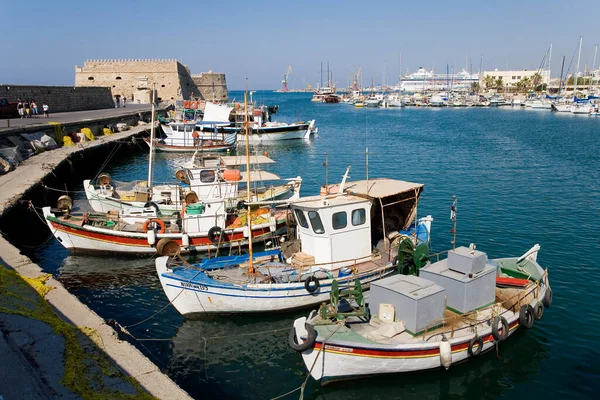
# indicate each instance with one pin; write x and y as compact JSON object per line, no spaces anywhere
{"x":377,"y":188}
{"x":216,"y":114}
{"x":231,"y":161}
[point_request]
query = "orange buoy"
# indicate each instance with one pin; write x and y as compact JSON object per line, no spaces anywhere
{"x":194,"y":105}
{"x":158,"y":221}
{"x":232,"y":175}
{"x":186,"y":104}
{"x":195,"y":135}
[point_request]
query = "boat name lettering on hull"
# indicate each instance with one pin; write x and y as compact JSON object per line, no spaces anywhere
{"x":336,"y":348}
{"x":193,"y":286}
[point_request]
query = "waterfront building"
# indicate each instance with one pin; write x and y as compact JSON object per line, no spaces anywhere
{"x":511,"y":78}
{"x":134,"y":79}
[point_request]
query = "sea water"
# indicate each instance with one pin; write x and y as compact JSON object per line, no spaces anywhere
{"x":521,"y":177}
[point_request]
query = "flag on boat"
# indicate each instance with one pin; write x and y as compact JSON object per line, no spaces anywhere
{"x":231,"y":138}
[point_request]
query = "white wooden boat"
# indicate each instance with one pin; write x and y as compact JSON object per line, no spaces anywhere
{"x":201,"y":227}
{"x":351,"y":233}
{"x":438,"y":319}
{"x":203,"y":178}
{"x":203,"y":136}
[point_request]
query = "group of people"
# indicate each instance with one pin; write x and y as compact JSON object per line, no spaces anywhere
{"x":119,"y":99}
{"x":29,"y":108}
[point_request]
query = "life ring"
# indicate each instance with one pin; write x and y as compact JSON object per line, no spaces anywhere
{"x":526,"y":316}
{"x":312,"y":288}
{"x":539,"y":310}
{"x":158,"y":221}
{"x":477,"y":351}
{"x":500,"y":336}
{"x":215,"y":235}
{"x":308,"y":343}
{"x":547,"y":300}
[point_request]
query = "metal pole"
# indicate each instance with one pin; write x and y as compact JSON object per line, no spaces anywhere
{"x":150,"y":160}
{"x":248,"y":217}
{"x":453,"y":218}
{"x":578,"y":59}
{"x":326,"y":174}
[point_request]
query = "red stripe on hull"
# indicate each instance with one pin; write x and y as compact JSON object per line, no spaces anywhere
{"x":394,"y":353}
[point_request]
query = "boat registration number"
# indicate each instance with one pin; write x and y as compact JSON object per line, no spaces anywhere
{"x":193,"y":286}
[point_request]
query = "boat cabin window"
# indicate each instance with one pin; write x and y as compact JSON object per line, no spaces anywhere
{"x":339,"y":220}
{"x":207,"y":176}
{"x":315,"y":221}
{"x":359,"y":216}
{"x":301,"y":219}
{"x":189,"y":128}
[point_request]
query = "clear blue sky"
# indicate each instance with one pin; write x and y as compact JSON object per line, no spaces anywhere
{"x":44,"y":40}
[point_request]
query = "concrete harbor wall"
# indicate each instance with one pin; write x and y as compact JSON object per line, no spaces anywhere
{"x":60,"y":98}
{"x":27,"y":185}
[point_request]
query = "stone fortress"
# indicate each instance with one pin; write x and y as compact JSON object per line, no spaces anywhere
{"x":135,"y":78}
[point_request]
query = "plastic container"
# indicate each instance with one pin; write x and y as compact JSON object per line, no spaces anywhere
{"x":194,"y":209}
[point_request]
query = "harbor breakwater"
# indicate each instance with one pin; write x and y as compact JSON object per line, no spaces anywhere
{"x":22,"y":192}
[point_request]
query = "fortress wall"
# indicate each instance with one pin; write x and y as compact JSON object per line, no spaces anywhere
{"x":60,"y":98}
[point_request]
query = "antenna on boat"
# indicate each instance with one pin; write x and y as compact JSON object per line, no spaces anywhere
{"x":453,"y":218}
{"x":326,"y":165}
{"x":248,"y":216}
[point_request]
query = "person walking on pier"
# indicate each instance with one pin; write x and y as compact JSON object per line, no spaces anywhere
{"x":27,"y":109}
{"x":124,"y":100}
{"x":45,"y":108}
{"x":117,"y":101}
{"x":20,"y":108}
{"x":34,"y":108}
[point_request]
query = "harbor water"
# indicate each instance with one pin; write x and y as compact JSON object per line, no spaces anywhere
{"x":521,"y":176}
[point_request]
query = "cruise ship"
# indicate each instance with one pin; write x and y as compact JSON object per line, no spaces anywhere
{"x":424,"y":80}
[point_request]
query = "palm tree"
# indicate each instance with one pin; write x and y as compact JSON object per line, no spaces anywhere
{"x":475,"y":87}
{"x":488,"y":81}
{"x":499,"y":83}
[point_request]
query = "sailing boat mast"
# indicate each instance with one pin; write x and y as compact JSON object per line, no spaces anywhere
{"x":150,"y":159}
{"x":578,"y":59}
{"x":248,"y":216}
{"x":560,"y":83}
{"x":593,"y":68}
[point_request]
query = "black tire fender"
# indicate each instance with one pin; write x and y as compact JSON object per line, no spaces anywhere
{"x":215,"y":235}
{"x":539,"y":310}
{"x":547,"y":300}
{"x":475,"y":340}
{"x":308,"y":343}
{"x":312,"y":288}
{"x":500,"y":336}
{"x":526,"y":316}
{"x":153,"y":205}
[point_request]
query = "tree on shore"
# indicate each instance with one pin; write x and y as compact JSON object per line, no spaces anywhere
{"x":499,"y":83}
{"x":475,"y":87}
{"x":488,"y":82}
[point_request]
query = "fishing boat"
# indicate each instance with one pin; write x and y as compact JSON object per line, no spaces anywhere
{"x":261,"y":127}
{"x":200,"y":227}
{"x":436,"y":314}
{"x":350,"y":232}
{"x":201,"y":179}
{"x":203,"y":136}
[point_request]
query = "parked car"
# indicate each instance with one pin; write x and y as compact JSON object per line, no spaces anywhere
{"x":8,"y":109}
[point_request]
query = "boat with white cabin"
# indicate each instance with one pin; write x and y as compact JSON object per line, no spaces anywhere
{"x":349,"y":232}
